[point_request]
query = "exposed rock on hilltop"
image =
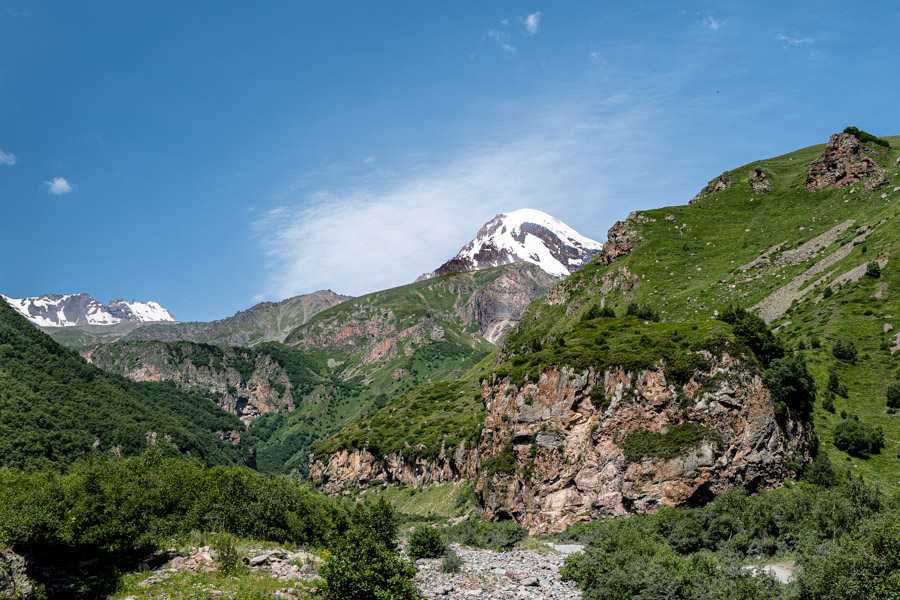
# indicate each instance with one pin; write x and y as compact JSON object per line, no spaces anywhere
{"x":843,"y":163}
{"x":759,"y":182}
{"x":524,"y":235}
{"x":720,"y":183}
{"x":622,"y":237}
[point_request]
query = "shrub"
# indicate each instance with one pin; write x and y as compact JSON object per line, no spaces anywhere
{"x":642,"y":311}
{"x":791,"y":384}
{"x":873,"y":271}
{"x":893,"y":395}
{"x":820,"y":472}
{"x":229,"y":559}
{"x":484,"y":534}
{"x":828,"y":401}
{"x":827,"y":292}
{"x":857,"y":438}
{"x":362,"y":568}
{"x":666,"y":445}
{"x":865,"y":137}
{"x":451,"y":563}
{"x":426,"y":542}
{"x":596,"y":312}
{"x":753,"y":332}
{"x":844,"y":350}
{"x":835,"y":386}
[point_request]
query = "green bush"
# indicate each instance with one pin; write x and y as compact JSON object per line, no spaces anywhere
{"x":873,"y":271}
{"x":865,"y":137}
{"x":451,"y":562}
{"x":857,"y":438}
{"x":791,"y":384}
{"x":476,"y":533}
{"x":844,"y":350}
{"x":893,"y":395}
{"x":363,"y":568}
{"x":677,"y":438}
{"x":828,"y":401}
{"x":642,"y":311}
{"x":753,"y":332}
{"x":426,"y":542}
{"x":820,"y":472}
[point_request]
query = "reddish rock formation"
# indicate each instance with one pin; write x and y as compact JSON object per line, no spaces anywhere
{"x":759,"y":182}
{"x":843,"y":163}
{"x":622,"y":238}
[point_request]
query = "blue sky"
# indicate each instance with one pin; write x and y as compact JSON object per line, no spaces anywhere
{"x":209,"y":155}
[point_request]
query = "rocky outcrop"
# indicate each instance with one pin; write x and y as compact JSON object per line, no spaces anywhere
{"x":564,"y":445}
{"x":248,"y":384}
{"x":622,"y":238}
{"x":569,"y":436}
{"x":720,"y":183}
{"x":759,"y":182}
{"x":14,"y":581}
{"x":844,"y":163}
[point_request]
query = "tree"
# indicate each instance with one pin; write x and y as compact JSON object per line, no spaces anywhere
{"x":844,"y":350}
{"x":857,"y":438}
{"x":753,"y":332}
{"x":893,"y":395}
{"x":791,"y":384}
{"x":426,"y":542}
{"x":873,"y":271}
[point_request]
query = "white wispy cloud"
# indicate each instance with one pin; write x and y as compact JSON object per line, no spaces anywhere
{"x":7,"y":158}
{"x":502,"y":38}
{"x":595,"y":56}
{"x":790,"y":42}
{"x":377,"y":236}
{"x":712,"y":23}
{"x":59,"y":186}
{"x":533,"y":22}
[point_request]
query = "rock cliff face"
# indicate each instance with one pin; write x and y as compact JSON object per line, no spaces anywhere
{"x":575,"y":442}
{"x":248,"y":384}
{"x":570,"y":443}
{"x":843,"y":163}
{"x":759,"y":182}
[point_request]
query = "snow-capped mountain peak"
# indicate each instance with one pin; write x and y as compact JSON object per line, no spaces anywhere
{"x":66,"y":310}
{"x":524,"y":235}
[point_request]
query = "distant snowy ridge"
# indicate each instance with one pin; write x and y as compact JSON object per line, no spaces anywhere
{"x":524,"y":235}
{"x":67,"y":310}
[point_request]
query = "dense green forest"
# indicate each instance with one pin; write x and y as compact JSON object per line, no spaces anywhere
{"x":54,"y":408}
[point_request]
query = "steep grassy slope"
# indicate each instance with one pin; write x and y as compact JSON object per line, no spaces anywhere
{"x":771,"y":253}
{"x":267,"y":321}
{"x":54,"y":407}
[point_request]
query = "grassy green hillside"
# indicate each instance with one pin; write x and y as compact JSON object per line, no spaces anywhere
{"x":54,"y":408}
{"x":771,"y":253}
{"x":695,"y":260}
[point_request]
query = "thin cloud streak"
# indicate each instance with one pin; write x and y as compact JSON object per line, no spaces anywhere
{"x":7,"y":158}
{"x":364,"y":240}
{"x":793,"y":42}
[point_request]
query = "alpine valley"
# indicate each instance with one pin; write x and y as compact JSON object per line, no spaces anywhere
{"x":713,"y":363}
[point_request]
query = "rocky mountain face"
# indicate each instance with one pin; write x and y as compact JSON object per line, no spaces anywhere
{"x":69,"y":310}
{"x":563,"y":445}
{"x":843,"y":163}
{"x":524,"y":235}
{"x":248,"y":383}
{"x":267,"y":321}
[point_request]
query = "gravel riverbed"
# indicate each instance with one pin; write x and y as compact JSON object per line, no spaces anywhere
{"x":518,"y":574}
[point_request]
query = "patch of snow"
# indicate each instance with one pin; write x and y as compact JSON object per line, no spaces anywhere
{"x":149,"y":311}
